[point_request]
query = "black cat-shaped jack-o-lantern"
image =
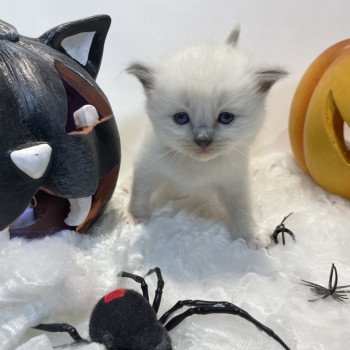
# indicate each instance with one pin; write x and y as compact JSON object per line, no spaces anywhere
{"x":59,"y":143}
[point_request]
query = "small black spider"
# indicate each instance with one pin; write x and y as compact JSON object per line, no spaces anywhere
{"x":124,"y":319}
{"x":282,"y":229}
{"x":337,"y":293}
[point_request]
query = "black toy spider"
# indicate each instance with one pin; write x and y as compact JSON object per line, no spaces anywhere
{"x":124,"y":319}
{"x":337,"y":292}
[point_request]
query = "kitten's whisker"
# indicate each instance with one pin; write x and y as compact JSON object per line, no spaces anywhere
{"x":230,"y":158}
{"x":238,"y":151}
{"x":180,"y":158}
{"x":240,"y":142}
{"x":162,"y":156}
{"x":175,"y":157}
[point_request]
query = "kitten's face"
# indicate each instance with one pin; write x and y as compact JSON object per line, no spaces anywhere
{"x":206,"y":101}
{"x":204,"y":104}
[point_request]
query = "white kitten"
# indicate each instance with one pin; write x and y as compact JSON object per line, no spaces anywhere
{"x":206,"y":105}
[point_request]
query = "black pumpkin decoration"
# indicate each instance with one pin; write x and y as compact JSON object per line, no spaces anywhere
{"x":59,"y":143}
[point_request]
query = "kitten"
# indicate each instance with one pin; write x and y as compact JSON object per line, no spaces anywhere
{"x":206,"y":105}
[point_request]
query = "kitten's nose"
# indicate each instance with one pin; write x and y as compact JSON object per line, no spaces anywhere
{"x":203,"y":141}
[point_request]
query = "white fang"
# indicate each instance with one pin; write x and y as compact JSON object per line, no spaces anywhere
{"x":33,"y":160}
{"x":79,"y":210}
{"x":85,"y":116}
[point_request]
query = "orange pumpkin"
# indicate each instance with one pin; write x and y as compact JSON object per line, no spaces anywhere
{"x":320,"y":108}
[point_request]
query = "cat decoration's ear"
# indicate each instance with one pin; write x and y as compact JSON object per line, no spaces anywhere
{"x":82,"y":40}
{"x":143,"y":73}
{"x":232,"y":39}
{"x":266,"y":78}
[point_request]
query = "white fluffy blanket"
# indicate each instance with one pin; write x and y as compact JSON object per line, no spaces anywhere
{"x":59,"y":279}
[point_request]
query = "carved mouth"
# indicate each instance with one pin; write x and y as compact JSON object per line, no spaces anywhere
{"x":49,"y":213}
{"x":44,"y":216}
{"x":73,"y":211}
{"x":86,"y":106}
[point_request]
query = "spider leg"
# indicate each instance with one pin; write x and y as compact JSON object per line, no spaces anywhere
{"x":320,"y":290}
{"x":339,"y":297}
{"x":137,"y":279}
{"x":290,"y":233}
{"x":285,"y":230}
{"x":286,"y":217}
{"x":62,"y":327}
{"x":203,"y":307}
{"x":275,"y":234}
{"x":317,"y":289}
{"x":342,"y":287}
{"x":182,"y":303}
{"x":326,"y":295}
{"x":311,"y":284}
{"x":333,"y":286}
{"x":159,"y":291}
{"x":282,"y":229}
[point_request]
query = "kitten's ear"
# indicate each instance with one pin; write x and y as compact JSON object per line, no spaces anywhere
{"x":234,"y":36}
{"x":143,"y":73}
{"x":82,"y":40}
{"x":266,"y":78}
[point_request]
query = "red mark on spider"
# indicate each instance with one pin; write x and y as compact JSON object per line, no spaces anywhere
{"x":118,"y":293}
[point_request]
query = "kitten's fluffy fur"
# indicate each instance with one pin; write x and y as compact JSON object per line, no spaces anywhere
{"x":202,"y":81}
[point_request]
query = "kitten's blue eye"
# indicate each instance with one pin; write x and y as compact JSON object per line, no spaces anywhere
{"x":226,"y":117}
{"x":181,"y":118}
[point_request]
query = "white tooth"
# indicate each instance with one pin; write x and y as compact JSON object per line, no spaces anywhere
{"x":79,"y":210}
{"x":33,"y":160}
{"x":85,"y":116}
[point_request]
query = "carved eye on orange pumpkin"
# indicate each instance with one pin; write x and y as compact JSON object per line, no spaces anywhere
{"x":59,"y":143}
{"x":320,"y":113}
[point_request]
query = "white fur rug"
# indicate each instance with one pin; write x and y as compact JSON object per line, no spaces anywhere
{"x":59,"y":279}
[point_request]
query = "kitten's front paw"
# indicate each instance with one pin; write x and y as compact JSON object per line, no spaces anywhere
{"x":141,"y":220}
{"x":261,"y":239}
{"x":139,"y":216}
{"x":127,"y":185}
{"x":128,"y":219}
